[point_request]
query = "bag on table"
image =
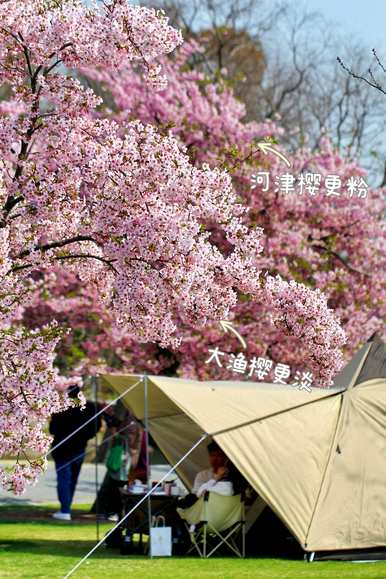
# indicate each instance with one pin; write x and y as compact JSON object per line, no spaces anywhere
{"x":160,"y":539}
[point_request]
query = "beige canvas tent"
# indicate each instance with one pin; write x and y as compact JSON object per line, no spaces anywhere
{"x":317,"y":459}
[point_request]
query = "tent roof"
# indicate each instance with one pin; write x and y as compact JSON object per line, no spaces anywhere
{"x":368,"y":363}
{"x":374,"y":365}
{"x":215,"y":405}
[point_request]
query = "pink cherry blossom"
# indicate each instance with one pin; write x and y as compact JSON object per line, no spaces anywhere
{"x":332,"y":244}
{"x":55,"y":158}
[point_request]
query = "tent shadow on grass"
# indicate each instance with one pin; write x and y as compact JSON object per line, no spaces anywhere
{"x":77,"y":549}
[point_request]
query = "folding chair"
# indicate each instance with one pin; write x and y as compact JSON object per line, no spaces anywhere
{"x":216,"y":520}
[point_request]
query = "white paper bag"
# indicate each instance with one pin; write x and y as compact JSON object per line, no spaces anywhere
{"x":160,"y":540}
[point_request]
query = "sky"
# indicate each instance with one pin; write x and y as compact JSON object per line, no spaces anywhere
{"x":364,"y":19}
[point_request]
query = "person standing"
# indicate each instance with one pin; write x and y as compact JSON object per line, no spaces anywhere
{"x":118,"y":463}
{"x":69,"y":456}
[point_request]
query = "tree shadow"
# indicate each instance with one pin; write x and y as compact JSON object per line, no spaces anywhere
{"x":11,"y":513}
{"x":57,"y":547}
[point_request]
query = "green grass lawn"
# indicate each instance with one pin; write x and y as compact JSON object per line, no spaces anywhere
{"x":31,"y":545}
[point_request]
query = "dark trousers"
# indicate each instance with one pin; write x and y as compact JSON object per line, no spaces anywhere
{"x":109,"y":501}
{"x":67,"y":473}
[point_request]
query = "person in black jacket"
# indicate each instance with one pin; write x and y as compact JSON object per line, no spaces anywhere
{"x":69,"y":456}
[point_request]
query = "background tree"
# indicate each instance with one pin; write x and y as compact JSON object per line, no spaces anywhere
{"x":335,"y":243}
{"x":288,"y":62}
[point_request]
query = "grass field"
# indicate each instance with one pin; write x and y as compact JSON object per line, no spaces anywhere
{"x":31,"y":545}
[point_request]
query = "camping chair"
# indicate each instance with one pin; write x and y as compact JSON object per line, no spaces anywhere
{"x":217,"y":520}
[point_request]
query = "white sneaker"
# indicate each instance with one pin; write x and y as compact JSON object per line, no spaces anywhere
{"x":113,"y":518}
{"x":62,"y":516}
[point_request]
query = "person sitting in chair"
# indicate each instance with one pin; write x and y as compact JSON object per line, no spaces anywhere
{"x":216,"y":478}
{"x":219,"y":484}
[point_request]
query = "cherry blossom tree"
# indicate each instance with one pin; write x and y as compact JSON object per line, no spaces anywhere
{"x":46,"y":203}
{"x":208,"y":120}
{"x":111,"y":208}
{"x":93,"y":342}
{"x":117,"y":204}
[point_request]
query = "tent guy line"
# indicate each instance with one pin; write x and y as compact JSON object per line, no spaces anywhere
{"x":143,"y":499}
{"x":88,"y":451}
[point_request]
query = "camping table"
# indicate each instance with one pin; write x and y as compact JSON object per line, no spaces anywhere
{"x":137,"y":522}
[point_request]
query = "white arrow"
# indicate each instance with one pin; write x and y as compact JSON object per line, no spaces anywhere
{"x":267,"y":148}
{"x":227,"y":326}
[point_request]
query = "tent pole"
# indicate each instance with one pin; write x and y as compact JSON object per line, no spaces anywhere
{"x":95,"y":387}
{"x":170,"y":471}
{"x":148,"y":470}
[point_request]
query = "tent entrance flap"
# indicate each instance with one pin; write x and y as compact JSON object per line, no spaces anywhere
{"x":174,"y":435}
{"x":260,"y":451}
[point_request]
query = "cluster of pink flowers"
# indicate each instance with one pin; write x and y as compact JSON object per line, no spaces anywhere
{"x":31,"y":388}
{"x":29,"y":394}
{"x":118,"y":205}
{"x":56,"y":160}
{"x":333,"y":246}
{"x":304,"y":314}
